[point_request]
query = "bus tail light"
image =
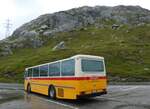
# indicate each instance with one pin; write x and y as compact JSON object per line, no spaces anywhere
{"x":105,"y":91}
{"x":82,"y":93}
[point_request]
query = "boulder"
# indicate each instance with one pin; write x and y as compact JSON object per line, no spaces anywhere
{"x":59,"y":46}
{"x":43,"y":27}
{"x":115,"y":26}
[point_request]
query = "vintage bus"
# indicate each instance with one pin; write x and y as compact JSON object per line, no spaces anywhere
{"x":71,"y":78}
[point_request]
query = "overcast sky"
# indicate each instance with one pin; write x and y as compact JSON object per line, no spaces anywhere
{"x":22,"y":11}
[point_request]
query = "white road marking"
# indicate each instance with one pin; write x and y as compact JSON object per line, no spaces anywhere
{"x":62,"y":104}
{"x":121,"y":88}
{"x":130,"y":88}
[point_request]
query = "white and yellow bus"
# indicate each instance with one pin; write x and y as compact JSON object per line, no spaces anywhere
{"x":71,"y":78}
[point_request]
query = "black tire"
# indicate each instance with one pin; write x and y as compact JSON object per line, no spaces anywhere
{"x":28,"y":88}
{"x":52,"y":92}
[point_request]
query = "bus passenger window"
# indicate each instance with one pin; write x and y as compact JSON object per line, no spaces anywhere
{"x":36,"y":72}
{"x":44,"y":70}
{"x":30,"y":72}
{"x":68,"y":67}
{"x":25,"y":74}
{"x":54,"y":69}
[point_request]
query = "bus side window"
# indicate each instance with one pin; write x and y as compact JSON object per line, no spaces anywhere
{"x":54,"y":69}
{"x":25,"y":74}
{"x":35,"y":71}
{"x":68,"y":67}
{"x":44,"y":70}
{"x":30,"y":72}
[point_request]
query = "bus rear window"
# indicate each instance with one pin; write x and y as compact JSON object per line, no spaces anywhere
{"x":92,"y":65}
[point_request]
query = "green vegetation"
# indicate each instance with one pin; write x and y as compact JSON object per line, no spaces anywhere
{"x":126,"y":51}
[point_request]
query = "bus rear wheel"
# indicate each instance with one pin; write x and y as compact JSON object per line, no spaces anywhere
{"x":28,"y":88}
{"x":52,"y":92}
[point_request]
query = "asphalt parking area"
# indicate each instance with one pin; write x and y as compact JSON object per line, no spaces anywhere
{"x":118,"y":97}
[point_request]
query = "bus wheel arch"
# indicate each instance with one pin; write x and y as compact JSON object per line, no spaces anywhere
{"x":28,"y":88}
{"x":52,"y":92}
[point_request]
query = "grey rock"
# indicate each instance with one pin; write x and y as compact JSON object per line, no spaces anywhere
{"x":59,"y":46}
{"x":97,"y":25}
{"x":84,"y":28}
{"x":141,"y":24}
{"x":43,"y":27}
{"x":127,"y":31}
{"x":146,"y":69}
{"x":47,"y":33}
{"x":23,"y":42}
{"x":37,"y":43}
{"x":34,"y":42}
{"x":6,"y":50}
{"x":93,"y":33}
{"x":32,"y":33}
{"x":115,"y":26}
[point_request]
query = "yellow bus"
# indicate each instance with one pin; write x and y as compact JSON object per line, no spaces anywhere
{"x":71,"y":78}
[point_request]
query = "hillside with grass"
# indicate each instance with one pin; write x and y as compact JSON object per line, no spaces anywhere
{"x":126,"y":51}
{"x":122,"y":39}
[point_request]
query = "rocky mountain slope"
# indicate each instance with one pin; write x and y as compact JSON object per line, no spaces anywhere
{"x":29,"y":34}
{"x":120,"y":34}
{"x":49,"y":24}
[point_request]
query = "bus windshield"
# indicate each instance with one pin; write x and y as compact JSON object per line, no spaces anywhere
{"x":92,"y":65}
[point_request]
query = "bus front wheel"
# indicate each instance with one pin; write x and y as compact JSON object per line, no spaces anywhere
{"x":52,"y":92}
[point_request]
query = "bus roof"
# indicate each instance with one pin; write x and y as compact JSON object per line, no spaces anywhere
{"x":87,"y":56}
{"x":73,"y":57}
